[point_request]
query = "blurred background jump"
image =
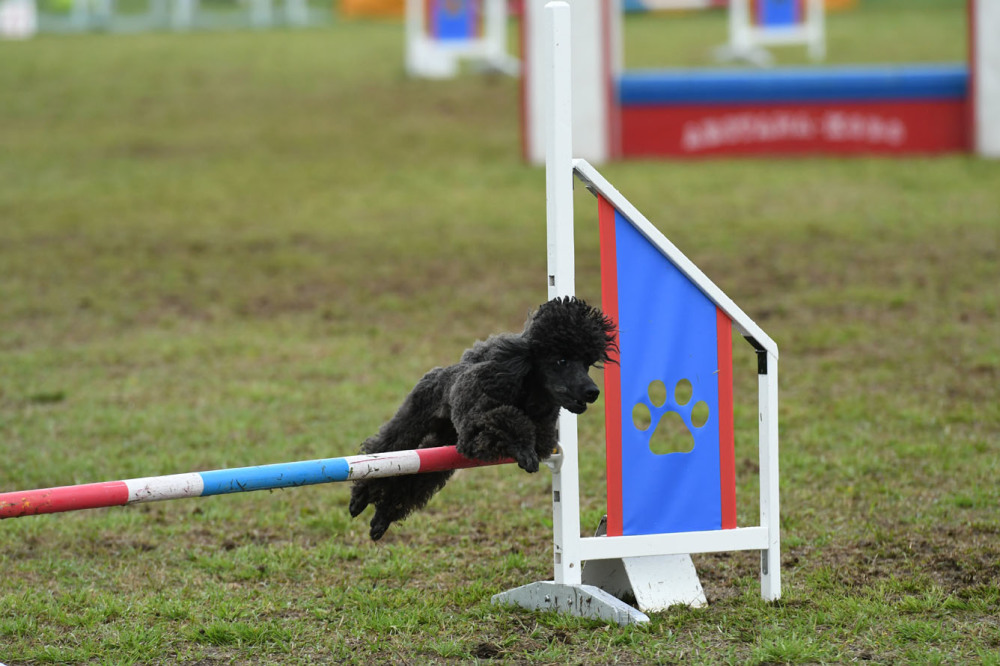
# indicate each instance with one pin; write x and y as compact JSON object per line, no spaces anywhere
{"x":59,"y":16}
{"x":882,"y":110}
{"x":440,"y":34}
{"x":757,"y":24}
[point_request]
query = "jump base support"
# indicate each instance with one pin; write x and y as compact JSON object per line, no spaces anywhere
{"x":579,"y":600}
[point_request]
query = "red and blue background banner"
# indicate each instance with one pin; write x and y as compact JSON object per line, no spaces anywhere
{"x":911,"y":109}
{"x":454,"y":20}
{"x":668,"y":331}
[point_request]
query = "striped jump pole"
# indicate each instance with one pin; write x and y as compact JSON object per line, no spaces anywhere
{"x":236,"y":480}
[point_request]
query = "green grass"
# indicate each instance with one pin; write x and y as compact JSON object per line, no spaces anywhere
{"x":225,"y":249}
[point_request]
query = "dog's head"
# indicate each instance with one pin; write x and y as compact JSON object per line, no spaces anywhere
{"x":566,"y":337}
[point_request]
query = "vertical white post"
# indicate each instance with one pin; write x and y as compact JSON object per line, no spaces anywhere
{"x":770,"y":559}
{"x":182,"y":17}
{"x":495,"y":31}
{"x":158,"y":12}
{"x":816,"y":25}
{"x":596,"y":27}
{"x":984,"y":70}
{"x":18,"y":19}
{"x":80,"y":14}
{"x":261,"y":14}
{"x":739,"y":26}
{"x":104,"y":12}
{"x":296,"y":12}
{"x":561,"y":276}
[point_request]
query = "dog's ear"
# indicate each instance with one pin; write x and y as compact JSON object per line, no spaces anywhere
{"x":513,"y":354}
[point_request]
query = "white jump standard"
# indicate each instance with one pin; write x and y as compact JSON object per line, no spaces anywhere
{"x":650,"y":532}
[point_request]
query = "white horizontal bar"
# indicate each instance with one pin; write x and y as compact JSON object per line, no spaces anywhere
{"x":608,"y":548}
{"x":782,"y":36}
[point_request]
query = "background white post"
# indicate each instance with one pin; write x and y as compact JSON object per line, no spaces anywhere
{"x":495,"y":31}
{"x":561,"y":276}
{"x":261,"y":14}
{"x":816,"y":25}
{"x":770,"y":559}
{"x":597,"y":48}
{"x":18,"y":19}
{"x":984,"y":18}
{"x":182,"y":16}
{"x":296,"y":12}
{"x":739,"y":26}
{"x":80,"y":14}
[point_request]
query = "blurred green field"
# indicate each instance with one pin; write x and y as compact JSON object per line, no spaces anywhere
{"x":225,"y":249}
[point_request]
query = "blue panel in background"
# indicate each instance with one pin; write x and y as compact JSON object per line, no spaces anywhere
{"x":775,"y":13}
{"x":667,"y":329}
{"x":455,"y":20}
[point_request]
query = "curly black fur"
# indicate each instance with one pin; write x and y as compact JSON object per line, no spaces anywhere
{"x":501,"y":400}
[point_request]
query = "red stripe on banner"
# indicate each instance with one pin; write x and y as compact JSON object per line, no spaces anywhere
{"x":443,"y":458}
{"x":612,"y":371}
{"x":64,"y":498}
{"x":727,"y":443}
{"x":876,"y":128}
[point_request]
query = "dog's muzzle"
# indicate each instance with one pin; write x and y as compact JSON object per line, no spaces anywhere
{"x":578,"y":405}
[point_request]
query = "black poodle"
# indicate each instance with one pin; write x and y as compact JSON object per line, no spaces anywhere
{"x":501,"y":400}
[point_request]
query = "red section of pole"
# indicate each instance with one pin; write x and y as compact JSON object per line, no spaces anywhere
{"x":444,"y":458}
{"x":64,"y":498}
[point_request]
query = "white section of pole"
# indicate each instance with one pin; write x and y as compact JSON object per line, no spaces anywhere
{"x":561,"y":275}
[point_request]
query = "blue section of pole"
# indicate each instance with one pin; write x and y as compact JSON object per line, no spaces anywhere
{"x":281,"y":475}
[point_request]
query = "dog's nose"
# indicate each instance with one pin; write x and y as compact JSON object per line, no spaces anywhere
{"x":592,"y":394}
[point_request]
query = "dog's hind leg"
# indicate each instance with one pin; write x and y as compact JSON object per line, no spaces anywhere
{"x":421,"y":422}
{"x":360,"y":498}
{"x":405,"y":494}
{"x":397,"y":497}
{"x":408,"y":427}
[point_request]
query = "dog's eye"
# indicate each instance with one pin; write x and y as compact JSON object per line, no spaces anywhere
{"x":561,"y":362}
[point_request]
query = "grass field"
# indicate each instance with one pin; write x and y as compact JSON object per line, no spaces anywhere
{"x":227,"y":249}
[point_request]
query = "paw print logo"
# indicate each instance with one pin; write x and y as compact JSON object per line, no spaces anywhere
{"x":670,"y":424}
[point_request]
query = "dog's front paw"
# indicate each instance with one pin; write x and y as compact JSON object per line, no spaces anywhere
{"x":526,"y":460}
